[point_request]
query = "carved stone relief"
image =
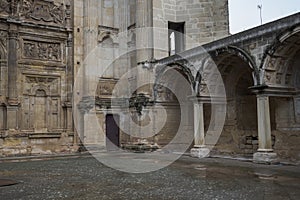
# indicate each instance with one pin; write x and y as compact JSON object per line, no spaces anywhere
{"x":43,"y":11}
{"x":105,"y":87}
{"x":51,"y":84}
{"x":164,"y":94}
{"x":36,"y":11}
{"x":42,"y":50}
{"x":5,"y":6}
{"x":105,"y":32}
{"x":3,"y":44}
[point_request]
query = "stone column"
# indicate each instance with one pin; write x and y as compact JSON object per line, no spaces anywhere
{"x":91,"y":23}
{"x":199,"y":150}
{"x":144,"y":45}
{"x":13,"y":103}
{"x":265,"y":152}
{"x":199,"y":125}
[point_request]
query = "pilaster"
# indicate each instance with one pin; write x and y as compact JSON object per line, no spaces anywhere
{"x":13,"y":104}
{"x":12,"y":61}
{"x":12,"y":115}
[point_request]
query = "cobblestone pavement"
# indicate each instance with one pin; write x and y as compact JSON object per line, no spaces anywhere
{"x":188,"y":178}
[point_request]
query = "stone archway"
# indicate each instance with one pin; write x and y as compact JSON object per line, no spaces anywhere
{"x":239,"y":135}
{"x":281,"y":77}
{"x":165,"y":89}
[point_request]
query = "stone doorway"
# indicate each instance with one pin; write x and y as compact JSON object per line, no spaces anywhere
{"x":112,"y":132}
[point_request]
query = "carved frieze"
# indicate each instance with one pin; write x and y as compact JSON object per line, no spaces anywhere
{"x":43,"y":11}
{"x":41,"y":50}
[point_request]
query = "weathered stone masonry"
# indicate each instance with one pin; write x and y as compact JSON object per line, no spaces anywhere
{"x":36,"y":77}
{"x":260,"y":73}
{"x":44,"y":45}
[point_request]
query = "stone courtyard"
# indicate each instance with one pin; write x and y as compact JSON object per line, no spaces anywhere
{"x":83,"y":177}
{"x":155,"y":80}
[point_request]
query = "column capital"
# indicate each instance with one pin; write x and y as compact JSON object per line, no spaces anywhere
{"x":208,"y":99}
{"x":13,"y":31}
{"x":13,"y":102}
{"x":262,"y":95}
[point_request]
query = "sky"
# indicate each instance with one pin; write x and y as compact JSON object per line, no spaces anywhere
{"x":244,"y":14}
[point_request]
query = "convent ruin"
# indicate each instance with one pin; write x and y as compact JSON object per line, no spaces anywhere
{"x":45,"y":51}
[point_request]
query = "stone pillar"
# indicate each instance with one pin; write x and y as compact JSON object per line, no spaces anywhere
{"x":13,"y":104}
{"x":199,"y":125}
{"x":265,"y":152}
{"x":90,"y":41}
{"x":144,"y":45}
{"x":199,"y":150}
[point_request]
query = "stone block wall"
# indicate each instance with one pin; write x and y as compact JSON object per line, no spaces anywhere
{"x":205,"y":21}
{"x":37,"y":71}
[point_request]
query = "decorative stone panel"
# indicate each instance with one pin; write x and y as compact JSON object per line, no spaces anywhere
{"x":5,"y":7}
{"x":36,"y":11}
{"x":3,"y":44}
{"x":106,"y":87}
{"x":43,"y":11}
{"x":107,"y":32}
{"x":42,"y":50}
{"x":50,"y":83}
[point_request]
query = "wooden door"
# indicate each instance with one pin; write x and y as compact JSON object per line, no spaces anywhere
{"x":112,"y":132}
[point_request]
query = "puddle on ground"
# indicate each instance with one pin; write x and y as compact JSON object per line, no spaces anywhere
{"x":7,"y":182}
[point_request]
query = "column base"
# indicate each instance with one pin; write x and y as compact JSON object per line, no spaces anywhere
{"x":265,"y":157}
{"x":200,"y":152}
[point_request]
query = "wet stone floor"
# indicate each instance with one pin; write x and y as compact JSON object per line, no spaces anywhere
{"x":188,"y":178}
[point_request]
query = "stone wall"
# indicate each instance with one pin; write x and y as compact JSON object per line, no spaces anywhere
{"x":205,"y":21}
{"x":36,"y":66}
